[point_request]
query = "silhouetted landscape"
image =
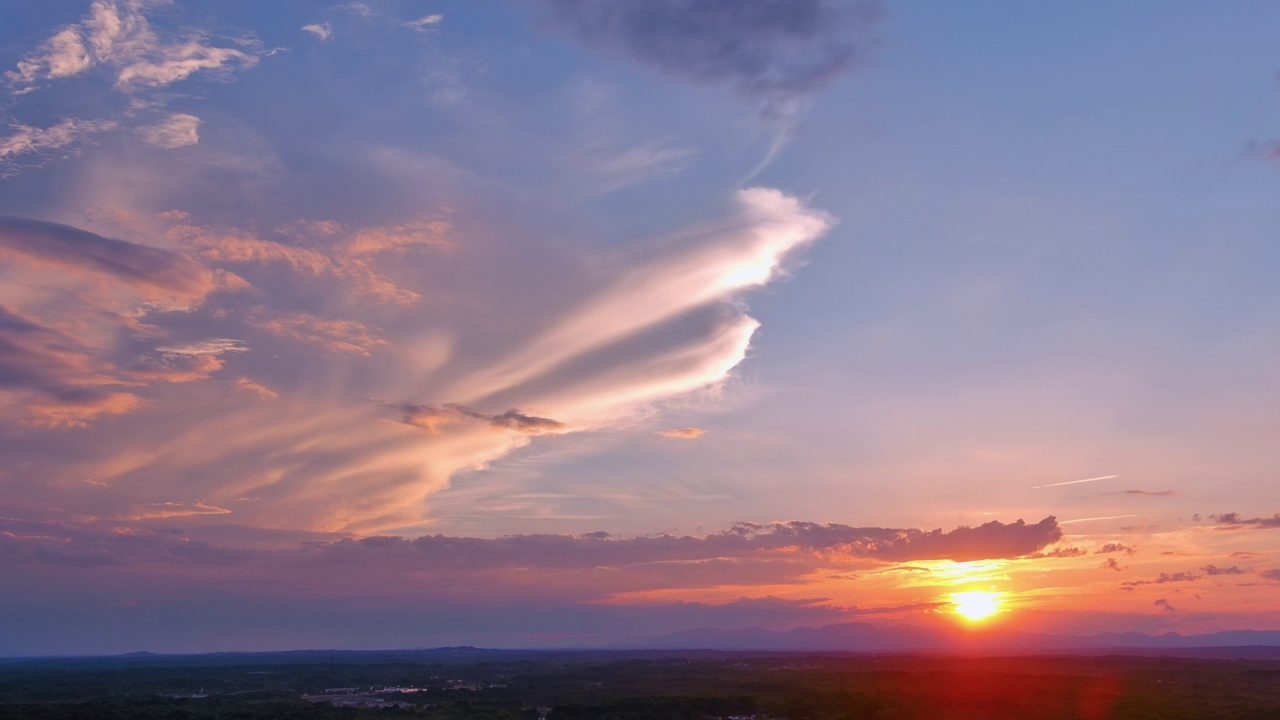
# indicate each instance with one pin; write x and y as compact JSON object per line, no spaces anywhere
{"x":473,"y":684}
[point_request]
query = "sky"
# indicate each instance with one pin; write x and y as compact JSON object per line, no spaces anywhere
{"x":558,"y":323}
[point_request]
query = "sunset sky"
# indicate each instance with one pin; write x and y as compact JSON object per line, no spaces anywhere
{"x":545,"y":323}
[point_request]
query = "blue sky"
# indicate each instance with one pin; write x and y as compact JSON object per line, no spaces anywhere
{"x":289,"y":273}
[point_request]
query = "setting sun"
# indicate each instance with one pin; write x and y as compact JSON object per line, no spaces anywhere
{"x":975,"y":604}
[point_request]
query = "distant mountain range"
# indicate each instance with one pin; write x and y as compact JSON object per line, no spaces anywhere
{"x":864,"y":637}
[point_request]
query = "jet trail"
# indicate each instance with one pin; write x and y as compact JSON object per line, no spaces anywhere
{"x":1104,"y":517}
{"x":1074,"y":482}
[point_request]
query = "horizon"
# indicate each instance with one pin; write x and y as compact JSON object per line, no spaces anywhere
{"x":425,"y":323}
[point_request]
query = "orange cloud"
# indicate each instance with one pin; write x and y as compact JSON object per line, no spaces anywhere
{"x":78,"y":409}
{"x":261,"y":391}
{"x":340,"y":335}
{"x":684,"y":433}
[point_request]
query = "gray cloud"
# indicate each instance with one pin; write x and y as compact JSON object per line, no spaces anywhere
{"x":1069,"y":551}
{"x":1164,"y":578}
{"x":1111,"y":564}
{"x":991,"y":540}
{"x":773,"y":52}
{"x":1215,"y":570}
{"x":1236,"y":520}
{"x":432,"y":418}
{"x":150,"y":270}
{"x":1114,"y":547}
{"x":796,"y":541}
{"x":1164,"y":605}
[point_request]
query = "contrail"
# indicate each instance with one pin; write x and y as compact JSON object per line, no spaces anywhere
{"x":1104,"y":517}
{"x":1074,"y":482}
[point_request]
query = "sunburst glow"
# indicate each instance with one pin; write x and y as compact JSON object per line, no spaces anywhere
{"x":975,"y":604}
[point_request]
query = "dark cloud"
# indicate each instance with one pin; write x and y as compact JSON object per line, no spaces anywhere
{"x":1150,"y":492}
{"x":66,"y":545}
{"x":1271,"y":574}
{"x":1114,"y":547}
{"x":1069,"y":551}
{"x":1164,"y":605}
{"x":152,"y":271}
{"x":1215,"y":570}
{"x":1111,"y":564}
{"x":1234,"y":519}
{"x":1164,"y":578}
{"x":794,"y":541}
{"x":431,"y":418}
{"x":770,"y":51}
{"x":992,"y":540}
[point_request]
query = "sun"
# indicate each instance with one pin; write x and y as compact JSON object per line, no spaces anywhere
{"x":975,"y":605}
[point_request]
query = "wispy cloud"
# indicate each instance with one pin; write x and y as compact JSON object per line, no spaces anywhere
{"x":745,"y":251}
{"x":684,"y":433}
{"x":175,"y":131}
{"x":774,"y":54}
{"x":324,"y":31}
{"x":1236,"y":520}
{"x":26,"y":139}
{"x":118,"y":36}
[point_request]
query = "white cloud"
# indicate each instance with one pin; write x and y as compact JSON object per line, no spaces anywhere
{"x":712,"y":265}
{"x":425,"y":23}
{"x":210,"y":346}
{"x":27,"y":139}
{"x":177,"y":130}
{"x":324,"y":31}
{"x":117,"y":35}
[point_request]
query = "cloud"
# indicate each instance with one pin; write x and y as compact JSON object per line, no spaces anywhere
{"x":433,"y":419}
{"x":1164,"y":578}
{"x":32,"y":140}
{"x":805,"y":544}
{"x":398,"y":238}
{"x":330,"y":311}
{"x":772,"y":52}
{"x":177,"y":130}
{"x":1111,"y":564}
{"x":155,"y":273}
{"x":609,"y":168}
{"x":425,"y":23}
{"x":338,"y":335}
{"x":1273,"y":575}
{"x":684,"y":433}
{"x":78,"y":351}
{"x":1068,"y":551}
{"x":166,"y":510}
{"x":1237,"y":521}
{"x":235,"y":247}
{"x":1215,"y":570}
{"x":1114,"y":547}
{"x":1152,"y":493}
{"x":185,"y":363}
{"x":324,"y":31}
{"x":742,"y":252}
{"x":265,"y":393}
{"x":118,"y":36}
{"x":1164,"y":605}
{"x":77,"y":408}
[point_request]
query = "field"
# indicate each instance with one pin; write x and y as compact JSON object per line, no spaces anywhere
{"x":468,"y":684}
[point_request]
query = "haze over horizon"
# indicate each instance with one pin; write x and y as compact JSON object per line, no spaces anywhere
{"x":416,"y":323}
